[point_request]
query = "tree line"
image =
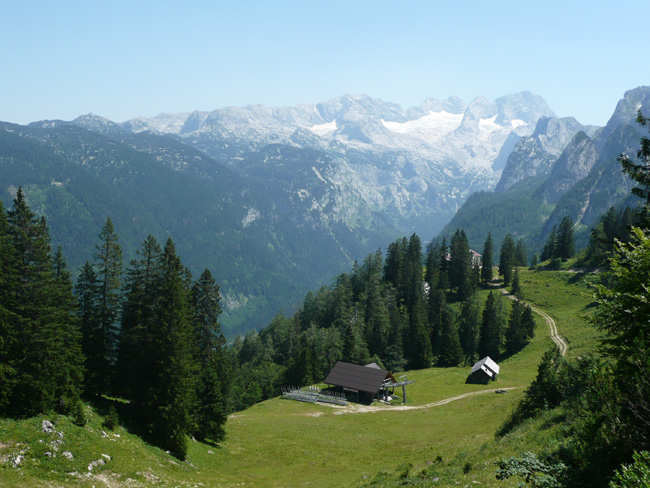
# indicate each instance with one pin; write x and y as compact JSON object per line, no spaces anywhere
{"x":151,"y":335}
{"x":406,"y":309}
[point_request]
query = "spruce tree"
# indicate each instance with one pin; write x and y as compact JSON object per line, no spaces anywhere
{"x":432,"y":273}
{"x":550,"y":247}
{"x":521,"y":257}
{"x":394,"y":354}
{"x":487,"y":260}
{"x":436,"y":302}
{"x":565,"y":243}
{"x":355,"y":349}
{"x":460,"y":266}
{"x":468,"y":327}
{"x":212,"y":383}
{"x":70,"y":363}
{"x":8,"y":320}
{"x":516,"y":287}
{"x":108,"y":263}
{"x":137,"y":351}
{"x":451,"y":352}
{"x":419,"y":344}
{"x":507,"y":259}
{"x":528,"y":322}
{"x":443,"y":259}
{"x":490,"y":333}
{"x":377,"y":320}
{"x":173,"y":385}
{"x":88,"y":315}
{"x":413,"y":272}
{"x":47,"y":376}
{"x":516,"y":335}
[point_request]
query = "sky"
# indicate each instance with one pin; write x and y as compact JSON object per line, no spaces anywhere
{"x":123,"y":59}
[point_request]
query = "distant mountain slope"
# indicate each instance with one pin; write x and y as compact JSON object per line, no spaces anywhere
{"x":265,"y":246}
{"x":534,"y":155}
{"x":581,"y":182}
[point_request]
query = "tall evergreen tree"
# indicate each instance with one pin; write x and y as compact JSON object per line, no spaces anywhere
{"x":355,"y":349}
{"x":8,"y":320}
{"x":528,"y":322}
{"x":47,"y":376}
{"x":173,"y":384}
{"x":432,"y":274}
{"x":137,"y":350}
{"x":516,"y":286}
{"x":451,"y":352}
{"x":443,"y":259}
{"x":460,"y":266}
{"x":516,"y":335}
{"x":87,"y":296}
{"x":413,"y":272}
{"x":565,"y":243}
{"x":436,"y":303}
{"x":212,"y":382}
{"x":487,"y":260}
{"x":394,"y":267}
{"x":550,"y":247}
{"x":70,"y":365}
{"x":521,"y":256}
{"x":377,"y":319}
{"x":108,"y":263}
{"x":468,"y":327}
{"x":507,"y":259}
{"x":490,"y":333}
{"x":419,"y":344}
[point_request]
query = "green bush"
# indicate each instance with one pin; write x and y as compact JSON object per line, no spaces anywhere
{"x":635,"y":475}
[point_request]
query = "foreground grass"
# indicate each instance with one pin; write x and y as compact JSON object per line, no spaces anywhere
{"x":281,"y":443}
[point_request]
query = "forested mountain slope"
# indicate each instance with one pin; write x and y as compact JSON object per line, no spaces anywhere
{"x":256,"y":237}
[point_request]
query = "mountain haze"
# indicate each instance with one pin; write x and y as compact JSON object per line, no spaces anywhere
{"x":273,"y":200}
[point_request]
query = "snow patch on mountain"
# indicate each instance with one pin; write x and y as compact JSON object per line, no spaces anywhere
{"x":431,"y":126}
{"x":318,"y":175}
{"x":324,"y":129}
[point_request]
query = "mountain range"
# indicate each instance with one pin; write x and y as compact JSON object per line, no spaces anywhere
{"x":276,"y":201}
{"x":561,"y":169}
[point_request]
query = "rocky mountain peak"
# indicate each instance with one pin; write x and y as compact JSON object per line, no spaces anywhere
{"x":534,"y":155}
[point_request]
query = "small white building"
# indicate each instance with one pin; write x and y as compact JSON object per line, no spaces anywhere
{"x":483,"y":371}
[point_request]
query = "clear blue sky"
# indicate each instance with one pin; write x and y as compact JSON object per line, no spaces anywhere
{"x":122,"y":59}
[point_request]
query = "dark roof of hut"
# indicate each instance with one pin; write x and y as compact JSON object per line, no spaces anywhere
{"x":356,"y":377}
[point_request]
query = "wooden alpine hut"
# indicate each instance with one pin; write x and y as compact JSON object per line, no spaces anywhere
{"x":364,"y":382}
{"x":483,"y":371}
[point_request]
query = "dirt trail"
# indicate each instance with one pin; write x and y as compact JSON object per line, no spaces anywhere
{"x":555,"y":336}
{"x":356,"y":408}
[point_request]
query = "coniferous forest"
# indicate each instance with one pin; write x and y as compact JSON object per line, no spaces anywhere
{"x":149,"y":335}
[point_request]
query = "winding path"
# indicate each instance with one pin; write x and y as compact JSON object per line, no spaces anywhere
{"x":555,"y":336}
{"x":356,"y":408}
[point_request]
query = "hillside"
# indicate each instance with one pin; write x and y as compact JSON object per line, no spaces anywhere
{"x":318,"y":446}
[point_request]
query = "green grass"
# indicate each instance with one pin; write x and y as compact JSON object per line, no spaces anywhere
{"x":565,"y":296}
{"x":281,"y":443}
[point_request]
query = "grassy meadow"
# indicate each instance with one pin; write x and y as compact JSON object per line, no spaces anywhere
{"x":281,"y":443}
